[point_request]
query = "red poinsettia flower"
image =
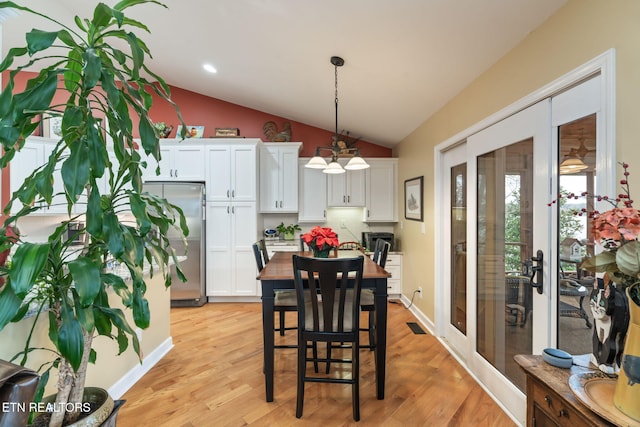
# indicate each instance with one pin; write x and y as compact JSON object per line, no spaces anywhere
{"x":318,"y":237}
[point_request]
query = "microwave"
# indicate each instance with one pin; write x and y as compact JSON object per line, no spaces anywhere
{"x":369,"y":239}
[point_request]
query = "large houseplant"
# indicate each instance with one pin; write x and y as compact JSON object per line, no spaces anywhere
{"x":104,"y":87}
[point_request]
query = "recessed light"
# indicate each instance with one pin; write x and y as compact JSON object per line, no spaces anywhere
{"x":210,"y":68}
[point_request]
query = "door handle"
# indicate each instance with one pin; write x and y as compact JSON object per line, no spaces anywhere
{"x":536,"y":269}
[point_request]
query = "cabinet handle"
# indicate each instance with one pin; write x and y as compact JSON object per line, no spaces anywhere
{"x":324,"y":213}
{"x":227,"y":194}
{"x":368,"y":213}
{"x":564,"y":413}
{"x":171,"y":173}
{"x":175,"y":173}
{"x":348,"y":199}
{"x":344,"y":199}
{"x":280,"y":203}
{"x":228,"y":210}
{"x":548,"y":400}
{"x":233,"y":210}
{"x":233,"y":194}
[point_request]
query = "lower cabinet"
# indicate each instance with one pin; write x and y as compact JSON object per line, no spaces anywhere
{"x":394,"y":266}
{"x":231,"y":232}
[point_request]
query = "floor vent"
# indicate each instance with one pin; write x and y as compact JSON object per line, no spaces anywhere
{"x":415,"y":328}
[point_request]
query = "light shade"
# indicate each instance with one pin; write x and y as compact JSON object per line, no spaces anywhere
{"x":316,"y":162}
{"x":356,"y":163}
{"x":334,"y":168}
{"x":572,"y":165}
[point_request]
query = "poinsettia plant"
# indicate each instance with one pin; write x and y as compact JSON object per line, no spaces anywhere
{"x":321,"y":238}
{"x":616,"y":231}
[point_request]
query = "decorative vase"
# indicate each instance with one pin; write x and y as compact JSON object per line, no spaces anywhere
{"x":321,"y":253}
{"x":289,"y":235}
{"x":627,"y":394}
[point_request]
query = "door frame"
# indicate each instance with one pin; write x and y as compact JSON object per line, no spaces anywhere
{"x":604,"y":65}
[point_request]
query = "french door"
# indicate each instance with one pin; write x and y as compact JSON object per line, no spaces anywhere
{"x":509,"y":253}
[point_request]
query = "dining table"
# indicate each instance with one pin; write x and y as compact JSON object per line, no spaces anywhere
{"x":278,"y":275}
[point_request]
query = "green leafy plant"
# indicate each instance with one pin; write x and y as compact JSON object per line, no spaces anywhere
{"x":98,"y":81}
{"x":288,"y":229}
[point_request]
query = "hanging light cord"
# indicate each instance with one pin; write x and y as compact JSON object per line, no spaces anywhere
{"x":336,"y":100}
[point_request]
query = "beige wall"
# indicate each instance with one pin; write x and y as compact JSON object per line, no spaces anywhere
{"x":109,"y":367}
{"x":577,"y":33}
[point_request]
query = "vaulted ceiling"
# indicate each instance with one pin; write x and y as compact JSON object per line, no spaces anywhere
{"x":404,"y":59}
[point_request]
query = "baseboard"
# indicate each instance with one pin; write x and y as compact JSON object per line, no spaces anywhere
{"x":130,"y":378}
{"x":419,"y":315}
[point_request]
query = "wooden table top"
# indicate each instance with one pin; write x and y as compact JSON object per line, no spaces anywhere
{"x":280,"y":266}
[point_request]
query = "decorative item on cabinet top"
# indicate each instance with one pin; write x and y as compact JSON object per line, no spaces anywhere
{"x":271,"y":132}
{"x":190,"y":131}
{"x":227,"y":132}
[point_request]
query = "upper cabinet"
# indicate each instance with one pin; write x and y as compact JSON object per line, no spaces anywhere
{"x":346,"y":189}
{"x":312,"y":188}
{"x":179,"y":161}
{"x":279,"y":177}
{"x":382,"y":190}
{"x":34,"y":154}
{"x":231,"y":170}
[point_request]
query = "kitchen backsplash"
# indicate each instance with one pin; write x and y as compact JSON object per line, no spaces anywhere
{"x":347,"y":222}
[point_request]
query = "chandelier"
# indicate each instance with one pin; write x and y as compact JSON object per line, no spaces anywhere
{"x":338,"y":147}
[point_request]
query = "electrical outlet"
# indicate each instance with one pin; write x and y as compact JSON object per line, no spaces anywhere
{"x":420,"y":291}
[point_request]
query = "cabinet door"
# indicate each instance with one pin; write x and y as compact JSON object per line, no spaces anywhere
{"x":244,"y":226}
{"x":218,"y":173}
{"x":188,"y":163}
{"x":346,"y":189}
{"x":165,"y":164}
{"x":270,"y":196}
{"x":219,"y":266}
{"x":243,"y":173}
{"x":22,"y":165}
{"x":336,"y":190}
{"x":289,"y":179}
{"x":382,"y":201}
{"x":312,"y":194}
{"x":356,"y":186}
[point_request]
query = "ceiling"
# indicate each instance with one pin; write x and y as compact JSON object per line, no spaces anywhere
{"x":404,"y":59}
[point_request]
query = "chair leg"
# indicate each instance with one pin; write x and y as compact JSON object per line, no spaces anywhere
{"x":302,"y":366}
{"x":315,"y":356}
{"x":355,"y":357}
{"x":282,"y":323}
{"x":372,"y":335}
{"x":328,"y":357}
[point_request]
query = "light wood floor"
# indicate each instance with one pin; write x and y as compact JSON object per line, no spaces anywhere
{"x":213,"y":377}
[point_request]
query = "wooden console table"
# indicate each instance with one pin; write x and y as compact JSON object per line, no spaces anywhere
{"x":550,"y":401}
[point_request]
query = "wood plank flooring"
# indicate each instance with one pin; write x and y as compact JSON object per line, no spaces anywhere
{"x":213,"y":377}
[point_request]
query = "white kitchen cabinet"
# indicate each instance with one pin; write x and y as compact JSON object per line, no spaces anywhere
{"x":179,"y":161}
{"x":382,"y":190}
{"x":34,"y":154}
{"x":231,"y":171}
{"x":279,"y":177}
{"x":231,"y":231}
{"x":394,"y":266}
{"x":346,"y":189}
{"x":312,"y":194}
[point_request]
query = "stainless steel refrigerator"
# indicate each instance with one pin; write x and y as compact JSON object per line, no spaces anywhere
{"x":190,"y":197}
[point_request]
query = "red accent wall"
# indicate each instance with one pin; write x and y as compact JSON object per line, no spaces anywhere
{"x":213,"y":113}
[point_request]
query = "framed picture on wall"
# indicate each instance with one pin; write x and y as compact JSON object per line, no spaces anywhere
{"x":51,"y":125}
{"x":413,"y":198}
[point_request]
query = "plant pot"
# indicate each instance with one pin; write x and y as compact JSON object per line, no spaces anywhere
{"x":321,"y":253}
{"x":101,"y":407}
{"x":627,"y":394}
{"x":289,"y":236}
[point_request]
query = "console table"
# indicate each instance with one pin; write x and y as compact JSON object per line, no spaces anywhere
{"x":550,"y":401}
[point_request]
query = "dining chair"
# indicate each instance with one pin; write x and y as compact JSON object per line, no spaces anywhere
{"x":352,"y":246}
{"x":367,"y":302}
{"x":329,"y":312}
{"x":285,"y":300}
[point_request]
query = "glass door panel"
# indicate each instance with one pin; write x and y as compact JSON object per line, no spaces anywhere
{"x":505,"y":243}
{"x":458,"y":249}
{"x":577,"y":160}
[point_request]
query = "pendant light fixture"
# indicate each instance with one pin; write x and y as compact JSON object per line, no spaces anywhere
{"x":317,"y":161}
